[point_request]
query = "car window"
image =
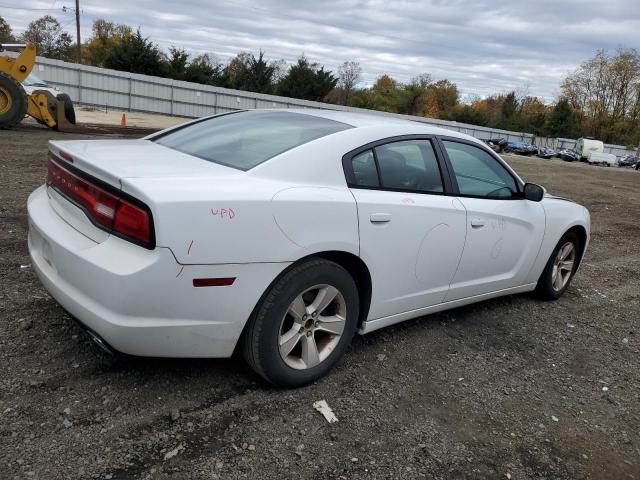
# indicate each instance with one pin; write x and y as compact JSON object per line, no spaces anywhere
{"x":364,"y":170}
{"x":246,"y":139}
{"x":409,"y":165}
{"x":33,"y":81}
{"x":478,"y":173}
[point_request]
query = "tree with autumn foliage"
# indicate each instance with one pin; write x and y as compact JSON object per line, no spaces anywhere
{"x":105,"y":36}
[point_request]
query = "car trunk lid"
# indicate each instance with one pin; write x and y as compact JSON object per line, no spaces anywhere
{"x":112,"y":160}
{"x":104,"y":164}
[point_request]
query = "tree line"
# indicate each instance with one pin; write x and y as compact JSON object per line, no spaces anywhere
{"x":601,"y":98}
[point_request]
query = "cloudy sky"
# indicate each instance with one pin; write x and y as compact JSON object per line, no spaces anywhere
{"x":483,"y":46}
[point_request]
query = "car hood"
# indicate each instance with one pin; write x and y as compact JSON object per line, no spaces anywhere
{"x":555,"y":197}
{"x":113,"y":160}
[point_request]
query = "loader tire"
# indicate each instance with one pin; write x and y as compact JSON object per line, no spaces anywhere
{"x":69,"y":111}
{"x":13,"y":102}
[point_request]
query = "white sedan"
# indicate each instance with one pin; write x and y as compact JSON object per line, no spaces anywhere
{"x":285,"y":232}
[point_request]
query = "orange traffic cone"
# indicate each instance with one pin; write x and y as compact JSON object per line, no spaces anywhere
{"x":123,"y":120}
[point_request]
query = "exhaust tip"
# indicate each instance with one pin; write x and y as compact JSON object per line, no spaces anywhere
{"x":104,"y":346}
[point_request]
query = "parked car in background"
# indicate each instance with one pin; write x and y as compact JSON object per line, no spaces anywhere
{"x":33,"y":83}
{"x":285,"y":232}
{"x":522,"y":148}
{"x":546,"y":152}
{"x":606,"y":159}
{"x":497,"y":144}
{"x":585,"y":146}
{"x":628,"y":160}
{"x":568,"y":155}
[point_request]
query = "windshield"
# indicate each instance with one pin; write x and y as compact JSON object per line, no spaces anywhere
{"x":245,"y":139}
{"x":33,"y":81}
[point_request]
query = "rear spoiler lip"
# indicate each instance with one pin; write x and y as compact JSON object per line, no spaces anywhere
{"x":58,"y":149}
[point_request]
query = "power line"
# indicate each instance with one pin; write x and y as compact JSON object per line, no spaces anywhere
{"x":32,"y":9}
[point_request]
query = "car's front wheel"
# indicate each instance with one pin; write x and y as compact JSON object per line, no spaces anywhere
{"x":558,"y":272}
{"x":303,"y":324}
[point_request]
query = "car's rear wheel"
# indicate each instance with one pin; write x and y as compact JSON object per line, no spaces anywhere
{"x":303,"y":324}
{"x":558,"y":272}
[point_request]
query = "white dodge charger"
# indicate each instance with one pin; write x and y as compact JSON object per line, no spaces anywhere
{"x":285,"y":232}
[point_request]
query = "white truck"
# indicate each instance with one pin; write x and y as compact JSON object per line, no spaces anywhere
{"x":606,"y":159}
{"x":586,"y":146}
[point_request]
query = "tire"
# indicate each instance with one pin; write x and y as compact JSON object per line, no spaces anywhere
{"x":549,"y":287}
{"x":273,"y":321}
{"x":13,"y":102}
{"x":69,"y":111}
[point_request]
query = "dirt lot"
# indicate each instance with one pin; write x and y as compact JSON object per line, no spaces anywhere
{"x":511,"y":388}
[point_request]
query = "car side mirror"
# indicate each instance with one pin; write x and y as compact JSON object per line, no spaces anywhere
{"x":533,"y":192}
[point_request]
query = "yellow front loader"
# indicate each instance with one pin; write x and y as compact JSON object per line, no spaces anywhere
{"x":42,"y":105}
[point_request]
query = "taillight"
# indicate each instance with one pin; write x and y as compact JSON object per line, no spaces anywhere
{"x":132,"y":222}
{"x":107,"y":210}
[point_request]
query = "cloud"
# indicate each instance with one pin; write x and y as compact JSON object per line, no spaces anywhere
{"x":484,"y":46}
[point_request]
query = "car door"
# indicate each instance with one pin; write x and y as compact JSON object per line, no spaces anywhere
{"x":411,"y":233}
{"x":504,"y":231}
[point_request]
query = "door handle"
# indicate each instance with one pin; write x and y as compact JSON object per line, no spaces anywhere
{"x":380,"y":217}
{"x":477,"y":223}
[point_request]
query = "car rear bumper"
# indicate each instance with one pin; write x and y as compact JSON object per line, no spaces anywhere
{"x":142,"y":302}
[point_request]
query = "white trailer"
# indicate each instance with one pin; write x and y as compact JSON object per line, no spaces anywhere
{"x":606,"y":159}
{"x":585,"y":146}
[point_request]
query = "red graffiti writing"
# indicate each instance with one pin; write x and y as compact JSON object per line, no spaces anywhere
{"x":223,"y":213}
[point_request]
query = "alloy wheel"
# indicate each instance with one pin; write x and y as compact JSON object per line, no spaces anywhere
{"x":312,"y":327}
{"x":563,"y":266}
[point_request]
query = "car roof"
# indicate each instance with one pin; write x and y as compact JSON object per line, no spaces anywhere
{"x":359,"y":120}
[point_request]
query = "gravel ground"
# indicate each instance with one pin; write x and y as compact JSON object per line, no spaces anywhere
{"x":509,"y":388}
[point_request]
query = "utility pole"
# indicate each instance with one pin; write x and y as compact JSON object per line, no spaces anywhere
{"x":79,"y":53}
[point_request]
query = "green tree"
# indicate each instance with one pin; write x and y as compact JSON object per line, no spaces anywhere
{"x":563,"y":121}
{"x":307,"y":80}
{"x":251,"y":73}
{"x":136,"y":54}
{"x":176,"y":63}
{"x":50,"y":39}
{"x":384,"y":94}
{"x":105,"y":36}
{"x":467,"y":114}
{"x":204,"y":70}
{"x":509,"y":105}
{"x":412,"y":97}
{"x":532,"y":115}
{"x":6,"y":35}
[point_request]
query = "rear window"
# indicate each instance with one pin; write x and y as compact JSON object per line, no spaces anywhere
{"x":245,"y":139}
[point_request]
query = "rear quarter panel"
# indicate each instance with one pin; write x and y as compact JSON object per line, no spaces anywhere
{"x":247,"y":220}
